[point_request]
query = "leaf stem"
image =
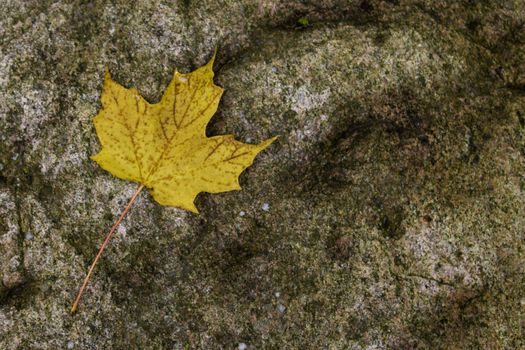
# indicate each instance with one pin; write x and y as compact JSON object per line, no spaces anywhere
{"x":77,"y":300}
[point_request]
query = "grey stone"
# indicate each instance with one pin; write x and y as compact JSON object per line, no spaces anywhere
{"x":396,"y":186}
{"x":281,"y":308}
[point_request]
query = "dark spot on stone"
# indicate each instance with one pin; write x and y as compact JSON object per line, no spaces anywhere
{"x":400,"y":261}
{"x":108,"y":216}
{"x":380,"y":38}
{"x":391,"y":223}
{"x":341,"y":248}
{"x":473,"y":24}
{"x":290,"y":115}
{"x":239,"y":253}
{"x":366,"y":6}
{"x":471,"y":157}
{"x":81,"y":67}
{"x":45,"y":193}
{"x":20,"y":295}
{"x":520,"y":119}
{"x":423,"y":139}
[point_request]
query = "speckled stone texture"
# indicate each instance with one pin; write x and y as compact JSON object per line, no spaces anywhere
{"x":388,"y":215}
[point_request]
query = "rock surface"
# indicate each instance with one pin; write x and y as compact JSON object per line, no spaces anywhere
{"x":389,"y":215}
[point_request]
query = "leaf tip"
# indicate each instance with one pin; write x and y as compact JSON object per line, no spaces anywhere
{"x":212,"y":59}
{"x":268,"y":142}
{"x":107,"y":74}
{"x":193,"y":209}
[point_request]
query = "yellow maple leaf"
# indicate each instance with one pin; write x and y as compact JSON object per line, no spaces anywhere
{"x":164,"y":147}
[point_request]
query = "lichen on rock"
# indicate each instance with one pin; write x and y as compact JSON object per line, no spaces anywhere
{"x":389,"y":215}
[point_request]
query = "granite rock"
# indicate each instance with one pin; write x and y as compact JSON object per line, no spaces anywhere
{"x":388,"y":215}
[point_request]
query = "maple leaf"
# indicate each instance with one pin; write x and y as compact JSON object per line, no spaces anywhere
{"x":164,"y":147}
